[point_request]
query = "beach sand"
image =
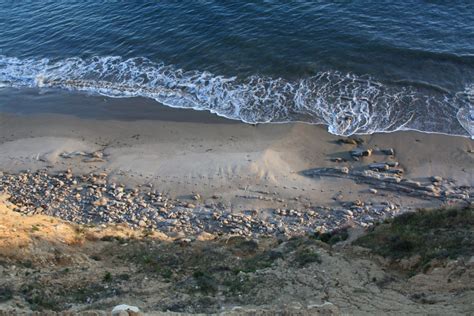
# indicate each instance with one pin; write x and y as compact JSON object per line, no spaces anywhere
{"x":184,"y":152}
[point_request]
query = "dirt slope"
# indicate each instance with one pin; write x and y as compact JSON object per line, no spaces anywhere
{"x":49,"y":265}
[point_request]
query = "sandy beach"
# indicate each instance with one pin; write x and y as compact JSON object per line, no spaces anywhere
{"x":184,"y":152}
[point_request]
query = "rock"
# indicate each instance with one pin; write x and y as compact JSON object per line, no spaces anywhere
{"x":97,"y":154}
{"x":124,"y":309}
{"x":348,"y":213}
{"x":373,"y":191}
{"x":411,"y":183}
{"x":361,"y":153}
{"x":337,"y":159}
{"x":196,"y":197}
{"x":388,"y":151}
{"x":101,"y":202}
{"x":430,"y":188}
{"x":351,"y":140}
{"x":344,"y":170}
{"x":93,"y":159}
{"x":142,"y":223}
{"x":379,"y":166}
{"x":204,"y":236}
{"x":396,"y":171}
{"x":436,"y":179}
{"x":392,"y":164}
{"x":73,"y":154}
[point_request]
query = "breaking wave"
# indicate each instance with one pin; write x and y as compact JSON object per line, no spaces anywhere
{"x":346,"y":103}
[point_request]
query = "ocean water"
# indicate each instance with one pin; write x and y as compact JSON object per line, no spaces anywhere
{"x":358,"y":67}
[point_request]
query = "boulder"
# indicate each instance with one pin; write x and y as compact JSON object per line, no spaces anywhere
{"x":379,"y":166}
{"x":388,"y":151}
{"x":361,"y":153}
{"x":124,"y":310}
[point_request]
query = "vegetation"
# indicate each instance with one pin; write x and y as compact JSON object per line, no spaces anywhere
{"x":332,"y":237}
{"x":6,"y":293}
{"x":306,"y":256}
{"x":107,"y":277}
{"x":226,"y":265}
{"x":430,"y":234}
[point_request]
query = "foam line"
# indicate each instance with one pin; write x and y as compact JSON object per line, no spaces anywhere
{"x":346,"y":103}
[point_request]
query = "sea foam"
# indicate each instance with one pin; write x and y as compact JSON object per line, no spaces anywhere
{"x":348,"y":104}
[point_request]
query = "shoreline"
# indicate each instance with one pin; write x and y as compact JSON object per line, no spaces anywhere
{"x":34,"y":101}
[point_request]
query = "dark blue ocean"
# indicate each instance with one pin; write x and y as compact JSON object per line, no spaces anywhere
{"x":356,"y":66}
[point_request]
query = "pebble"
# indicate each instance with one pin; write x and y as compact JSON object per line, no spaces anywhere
{"x":101,"y":201}
{"x":93,"y":199}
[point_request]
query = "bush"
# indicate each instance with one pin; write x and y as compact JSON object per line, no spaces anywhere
{"x":432,"y":234}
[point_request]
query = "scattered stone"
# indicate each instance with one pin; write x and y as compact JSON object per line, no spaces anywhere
{"x":101,"y":202}
{"x":358,"y":153}
{"x":93,"y":199}
{"x":204,"y":236}
{"x":373,"y":191}
{"x":93,"y":159}
{"x":125,"y":310}
{"x":388,"y":151}
{"x":344,"y":170}
{"x":72,"y":154}
{"x":382,"y":166}
{"x":351,"y":141}
{"x":348,"y":213}
{"x":396,"y":171}
{"x":97,"y":154}
{"x":436,"y":179}
{"x":392,"y":164}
